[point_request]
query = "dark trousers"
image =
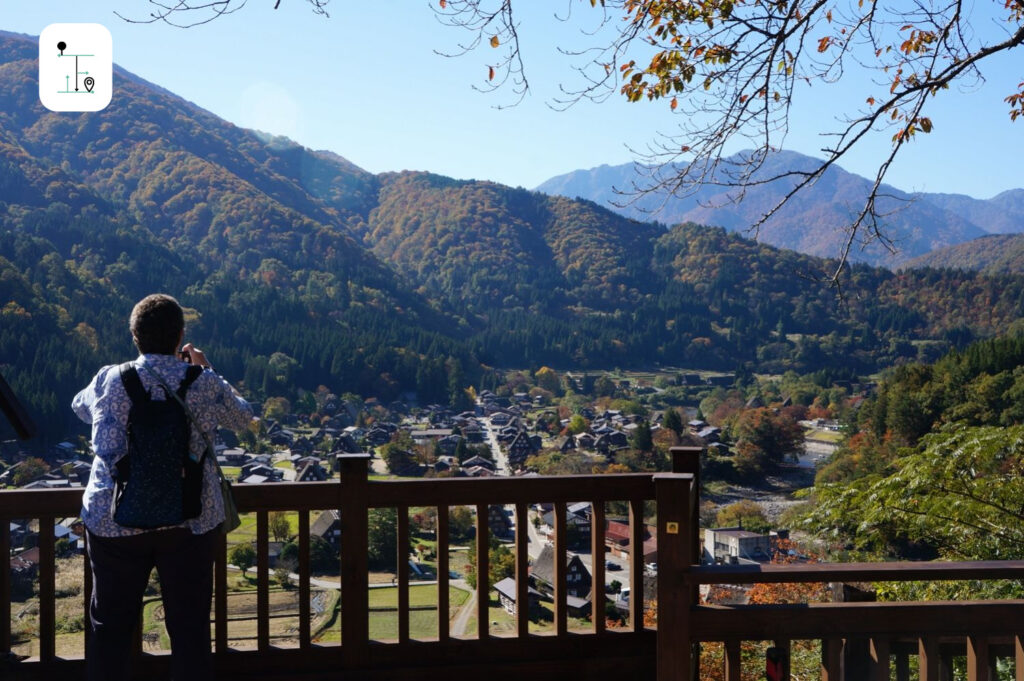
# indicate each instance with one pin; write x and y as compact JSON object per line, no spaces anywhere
{"x":120,"y":571}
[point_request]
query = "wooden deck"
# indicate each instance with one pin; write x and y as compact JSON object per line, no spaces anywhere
{"x":894,"y":636}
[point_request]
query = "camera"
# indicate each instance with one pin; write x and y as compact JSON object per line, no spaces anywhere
{"x":185,"y":357}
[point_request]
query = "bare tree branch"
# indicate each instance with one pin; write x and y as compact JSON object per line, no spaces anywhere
{"x":729,"y":70}
{"x":198,"y":12}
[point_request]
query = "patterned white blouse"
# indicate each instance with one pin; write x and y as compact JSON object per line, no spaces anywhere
{"x":105,"y":404}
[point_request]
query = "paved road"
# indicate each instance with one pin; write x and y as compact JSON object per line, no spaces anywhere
{"x":536,"y":542}
{"x":491,"y":438}
{"x":458,"y":625}
{"x":621,"y":576}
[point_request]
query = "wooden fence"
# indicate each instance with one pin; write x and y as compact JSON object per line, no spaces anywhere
{"x":892,"y":634}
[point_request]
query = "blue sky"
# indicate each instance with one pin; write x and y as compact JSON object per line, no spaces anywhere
{"x":367,"y":84}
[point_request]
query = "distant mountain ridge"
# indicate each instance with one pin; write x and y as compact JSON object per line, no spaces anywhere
{"x":992,"y":254}
{"x":812,"y":221}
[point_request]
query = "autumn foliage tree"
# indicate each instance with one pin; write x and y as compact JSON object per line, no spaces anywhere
{"x":763,"y":439}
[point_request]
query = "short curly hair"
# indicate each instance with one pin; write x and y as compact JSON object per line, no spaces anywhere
{"x":156,"y":323}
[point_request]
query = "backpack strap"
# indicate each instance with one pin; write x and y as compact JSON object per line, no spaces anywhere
{"x":132,"y":383}
{"x":191,"y":374}
{"x":137,"y":392}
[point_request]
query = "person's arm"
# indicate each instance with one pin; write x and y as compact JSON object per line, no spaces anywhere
{"x":85,"y":401}
{"x":104,"y":405}
{"x":229,"y":408}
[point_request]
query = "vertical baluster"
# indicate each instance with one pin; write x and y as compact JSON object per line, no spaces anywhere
{"x":902,"y":665}
{"x":403,"y":573}
{"x":785,"y":647}
{"x":928,"y":659}
{"x":946,"y":655}
{"x":137,"y":635}
{"x":5,"y":586}
{"x":879,"y":648}
{"x":304,"y":589}
{"x":636,"y":563}
{"x":831,"y":659}
{"x":220,"y":603}
{"x":1018,"y":657}
{"x":522,"y":571}
{"x":86,"y":599}
{"x":597,"y":600}
{"x":561,"y":561}
{"x":732,"y":660}
{"x":977,"y":659}
{"x":262,"y":582}
{"x":443,"y":611}
{"x":482,"y":569}
{"x":47,"y":601}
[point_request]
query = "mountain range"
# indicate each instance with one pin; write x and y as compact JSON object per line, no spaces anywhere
{"x":299,"y":270}
{"x":992,"y":254}
{"x":812,"y":221}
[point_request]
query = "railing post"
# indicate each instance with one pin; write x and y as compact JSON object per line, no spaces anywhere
{"x":687,"y":460}
{"x":353,"y":505}
{"x":674,"y":658}
{"x":1018,"y":657}
{"x":262,"y":581}
{"x":522,"y":571}
{"x":831,"y":659}
{"x":597,"y":546}
{"x":977,"y":659}
{"x":733,"y":657}
{"x":402,"y":573}
{"x":561,"y":556}
{"x":441,"y":534}
{"x":47,"y":590}
{"x":5,"y":588}
{"x":777,"y":659}
{"x":303,"y":568}
{"x":483,"y":570}
{"x":928,"y":659}
{"x":636,"y":564}
{"x":879,"y":651}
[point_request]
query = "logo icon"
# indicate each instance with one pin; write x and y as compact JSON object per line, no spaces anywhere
{"x":76,"y":67}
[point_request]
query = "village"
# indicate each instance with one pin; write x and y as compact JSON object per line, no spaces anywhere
{"x":512,"y":434}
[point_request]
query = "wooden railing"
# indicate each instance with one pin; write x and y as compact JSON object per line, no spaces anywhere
{"x":891,"y":633}
{"x":629,"y":651}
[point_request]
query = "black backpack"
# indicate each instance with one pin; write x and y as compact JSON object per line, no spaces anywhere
{"x":156,"y":484}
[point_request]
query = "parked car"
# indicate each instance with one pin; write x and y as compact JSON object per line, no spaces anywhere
{"x":612,"y":566}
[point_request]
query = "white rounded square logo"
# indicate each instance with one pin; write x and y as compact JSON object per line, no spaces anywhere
{"x":76,"y":67}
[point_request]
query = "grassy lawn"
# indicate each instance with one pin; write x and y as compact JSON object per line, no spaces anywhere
{"x":503,"y":624}
{"x":422,"y":622}
{"x":383,"y":623}
{"x":828,"y":436}
{"x":424,"y":595}
{"x":246,"y":532}
{"x":242,"y":623}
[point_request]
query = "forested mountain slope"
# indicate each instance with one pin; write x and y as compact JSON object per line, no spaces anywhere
{"x":301,"y":269}
{"x":993,"y":254}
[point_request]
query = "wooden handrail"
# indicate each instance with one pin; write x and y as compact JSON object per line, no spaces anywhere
{"x":842,"y":620}
{"x":904,"y":571}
